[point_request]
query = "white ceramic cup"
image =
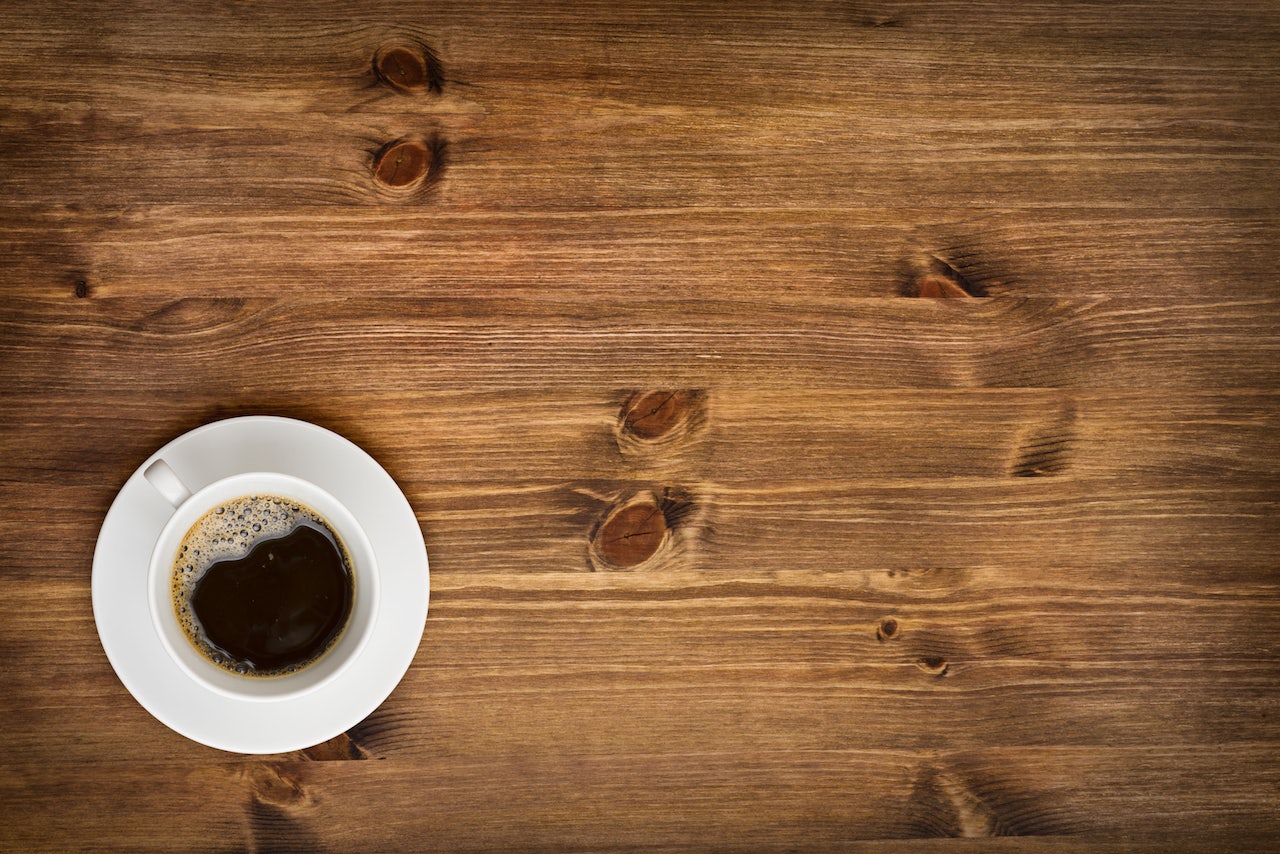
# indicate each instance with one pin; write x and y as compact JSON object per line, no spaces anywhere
{"x":190,"y":507}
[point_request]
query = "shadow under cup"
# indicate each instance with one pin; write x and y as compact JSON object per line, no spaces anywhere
{"x":191,"y":508}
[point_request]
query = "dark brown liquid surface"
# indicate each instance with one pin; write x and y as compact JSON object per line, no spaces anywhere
{"x":279,"y":606}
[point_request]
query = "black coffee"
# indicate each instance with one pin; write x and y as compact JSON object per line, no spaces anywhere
{"x":262,"y":586}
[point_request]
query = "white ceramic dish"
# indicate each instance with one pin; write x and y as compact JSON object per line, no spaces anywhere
{"x":120,"y":595}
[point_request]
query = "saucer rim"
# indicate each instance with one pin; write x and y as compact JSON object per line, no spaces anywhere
{"x":315,"y":716}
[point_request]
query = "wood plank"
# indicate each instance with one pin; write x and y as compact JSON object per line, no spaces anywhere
{"x":601,"y":124}
{"x":558,"y":803}
{"x":685,"y":662}
{"x":761,"y":255}
{"x":133,"y":162}
{"x":891,"y":526}
{"x":171,"y":346}
{"x":451,"y":437}
{"x":496,"y":708}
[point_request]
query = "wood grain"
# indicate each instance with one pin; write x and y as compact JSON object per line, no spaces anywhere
{"x":448,"y":438}
{"x":673,"y":662}
{"x":964,"y":794}
{"x":436,"y":344}
{"x":737,"y":542}
{"x":753,"y":255}
{"x":585,"y":109}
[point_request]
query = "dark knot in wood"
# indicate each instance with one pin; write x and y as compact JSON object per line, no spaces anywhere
{"x":632,"y":533}
{"x":931,"y":276}
{"x":650,"y":414}
{"x":933,"y":286}
{"x":409,"y":67}
{"x":402,"y":163}
{"x":934,"y":665}
{"x":887,"y":630}
{"x":401,"y":68}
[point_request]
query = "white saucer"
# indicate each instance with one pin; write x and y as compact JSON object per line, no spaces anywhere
{"x":129,"y":533}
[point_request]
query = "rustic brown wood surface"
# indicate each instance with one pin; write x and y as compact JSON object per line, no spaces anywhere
{"x":829,"y":422}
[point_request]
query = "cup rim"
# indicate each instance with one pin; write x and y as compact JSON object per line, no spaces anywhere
{"x":346,"y":526}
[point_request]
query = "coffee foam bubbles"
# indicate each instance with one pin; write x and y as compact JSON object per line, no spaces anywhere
{"x":228,"y":532}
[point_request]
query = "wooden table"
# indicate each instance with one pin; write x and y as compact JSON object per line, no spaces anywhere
{"x":828,"y":422}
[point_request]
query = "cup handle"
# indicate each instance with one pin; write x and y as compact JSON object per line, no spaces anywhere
{"x":168,"y":484}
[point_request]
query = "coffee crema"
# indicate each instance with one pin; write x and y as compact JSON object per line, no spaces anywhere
{"x":262,"y":586}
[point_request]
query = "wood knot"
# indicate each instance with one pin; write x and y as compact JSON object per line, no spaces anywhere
{"x":933,"y":665}
{"x":341,"y":747}
{"x":409,"y":67}
{"x":632,"y":533}
{"x":887,"y":629}
{"x":401,"y":68}
{"x":657,"y":420}
{"x":933,"y":286}
{"x":82,"y":288}
{"x":930,"y":277}
{"x":1045,"y":448}
{"x":946,"y":804}
{"x":270,"y":783}
{"x":653,"y":414}
{"x":402,"y":163}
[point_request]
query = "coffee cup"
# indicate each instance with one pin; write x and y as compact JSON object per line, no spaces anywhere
{"x":204,"y":557}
